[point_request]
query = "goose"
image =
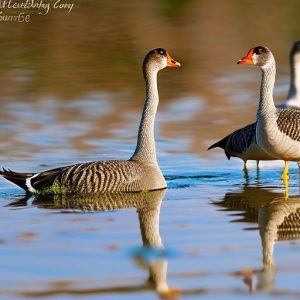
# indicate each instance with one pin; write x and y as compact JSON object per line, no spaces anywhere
{"x":141,"y":172}
{"x":277,"y":129}
{"x":242,"y":142}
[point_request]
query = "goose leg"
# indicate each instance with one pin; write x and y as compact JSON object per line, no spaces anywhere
{"x":285,"y":179}
{"x":285,"y":172}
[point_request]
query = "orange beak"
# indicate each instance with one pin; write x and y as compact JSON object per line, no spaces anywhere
{"x":247,"y":60}
{"x":172,"y":63}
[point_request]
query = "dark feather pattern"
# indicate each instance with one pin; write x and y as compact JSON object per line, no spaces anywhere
{"x":238,"y":141}
{"x":17,"y":178}
{"x":220,"y":144}
{"x":87,"y":178}
{"x":46,"y":179}
{"x":288,"y":122}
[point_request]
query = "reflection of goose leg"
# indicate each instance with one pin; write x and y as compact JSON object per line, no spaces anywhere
{"x":246,"y":174}
{"x":285,"y":179}
{"x":286,"y":187}
{"x":257,"y":171}
{"x":257,"y":168}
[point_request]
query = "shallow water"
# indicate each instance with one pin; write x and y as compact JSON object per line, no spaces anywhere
{"x":72,"y":91}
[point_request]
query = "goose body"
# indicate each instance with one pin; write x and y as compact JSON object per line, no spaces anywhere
{"x":140,"y":172}
{"x":277,"y":129}
{"x":242,"y":142}
{"x":278,"y":133}
{"x":91,"y":177}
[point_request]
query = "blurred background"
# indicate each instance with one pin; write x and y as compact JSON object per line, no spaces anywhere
{"x":71,"y":83}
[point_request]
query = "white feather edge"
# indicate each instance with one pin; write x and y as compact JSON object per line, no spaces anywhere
{"x":28,"y":183}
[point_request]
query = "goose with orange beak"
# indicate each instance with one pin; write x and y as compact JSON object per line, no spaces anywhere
{"x":140,"y":173}
{"x":242,"y":142}
{"x":277,"y":129}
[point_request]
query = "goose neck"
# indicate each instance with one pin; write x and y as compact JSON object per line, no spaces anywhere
{"x":266,"y":103}
{"x":145,"y":149}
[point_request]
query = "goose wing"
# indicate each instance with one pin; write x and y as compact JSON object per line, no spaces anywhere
{"x":102,"y":176}
{"x":288,"y":122}
{"x":240,"y":140}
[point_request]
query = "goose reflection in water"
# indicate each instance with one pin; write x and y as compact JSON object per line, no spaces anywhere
{"x":277,"y":219}
{"x":147,"y":205}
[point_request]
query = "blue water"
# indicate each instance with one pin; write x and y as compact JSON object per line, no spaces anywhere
{"x":207,"y":223}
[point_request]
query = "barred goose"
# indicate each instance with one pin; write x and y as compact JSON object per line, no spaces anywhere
{"x":140,"y":172}
{"x":242,"y":142}
{"x":277,"y":129}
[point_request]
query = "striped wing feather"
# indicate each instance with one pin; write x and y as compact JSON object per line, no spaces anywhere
{"x":92,"y":177}
{"x":241,"y":139}
{"x":238,"y":141}
{"x":100,"y":177}
{"x":288,"y":122}
{"x":46,"y":179}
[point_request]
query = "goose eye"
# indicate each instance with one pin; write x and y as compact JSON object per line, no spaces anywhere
{"x":260,"y":51}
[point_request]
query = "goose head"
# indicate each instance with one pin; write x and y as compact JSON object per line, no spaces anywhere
{"x":158,"y":59}
{"x":259,"y":56}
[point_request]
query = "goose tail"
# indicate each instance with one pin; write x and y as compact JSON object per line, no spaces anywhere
{"x":33,"y":182}
{"x":221,"y":144}
{"x":20,"y":179}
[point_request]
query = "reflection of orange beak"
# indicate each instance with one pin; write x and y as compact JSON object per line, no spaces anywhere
{"x":172,"y":63}
{"x":247,"y":60}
